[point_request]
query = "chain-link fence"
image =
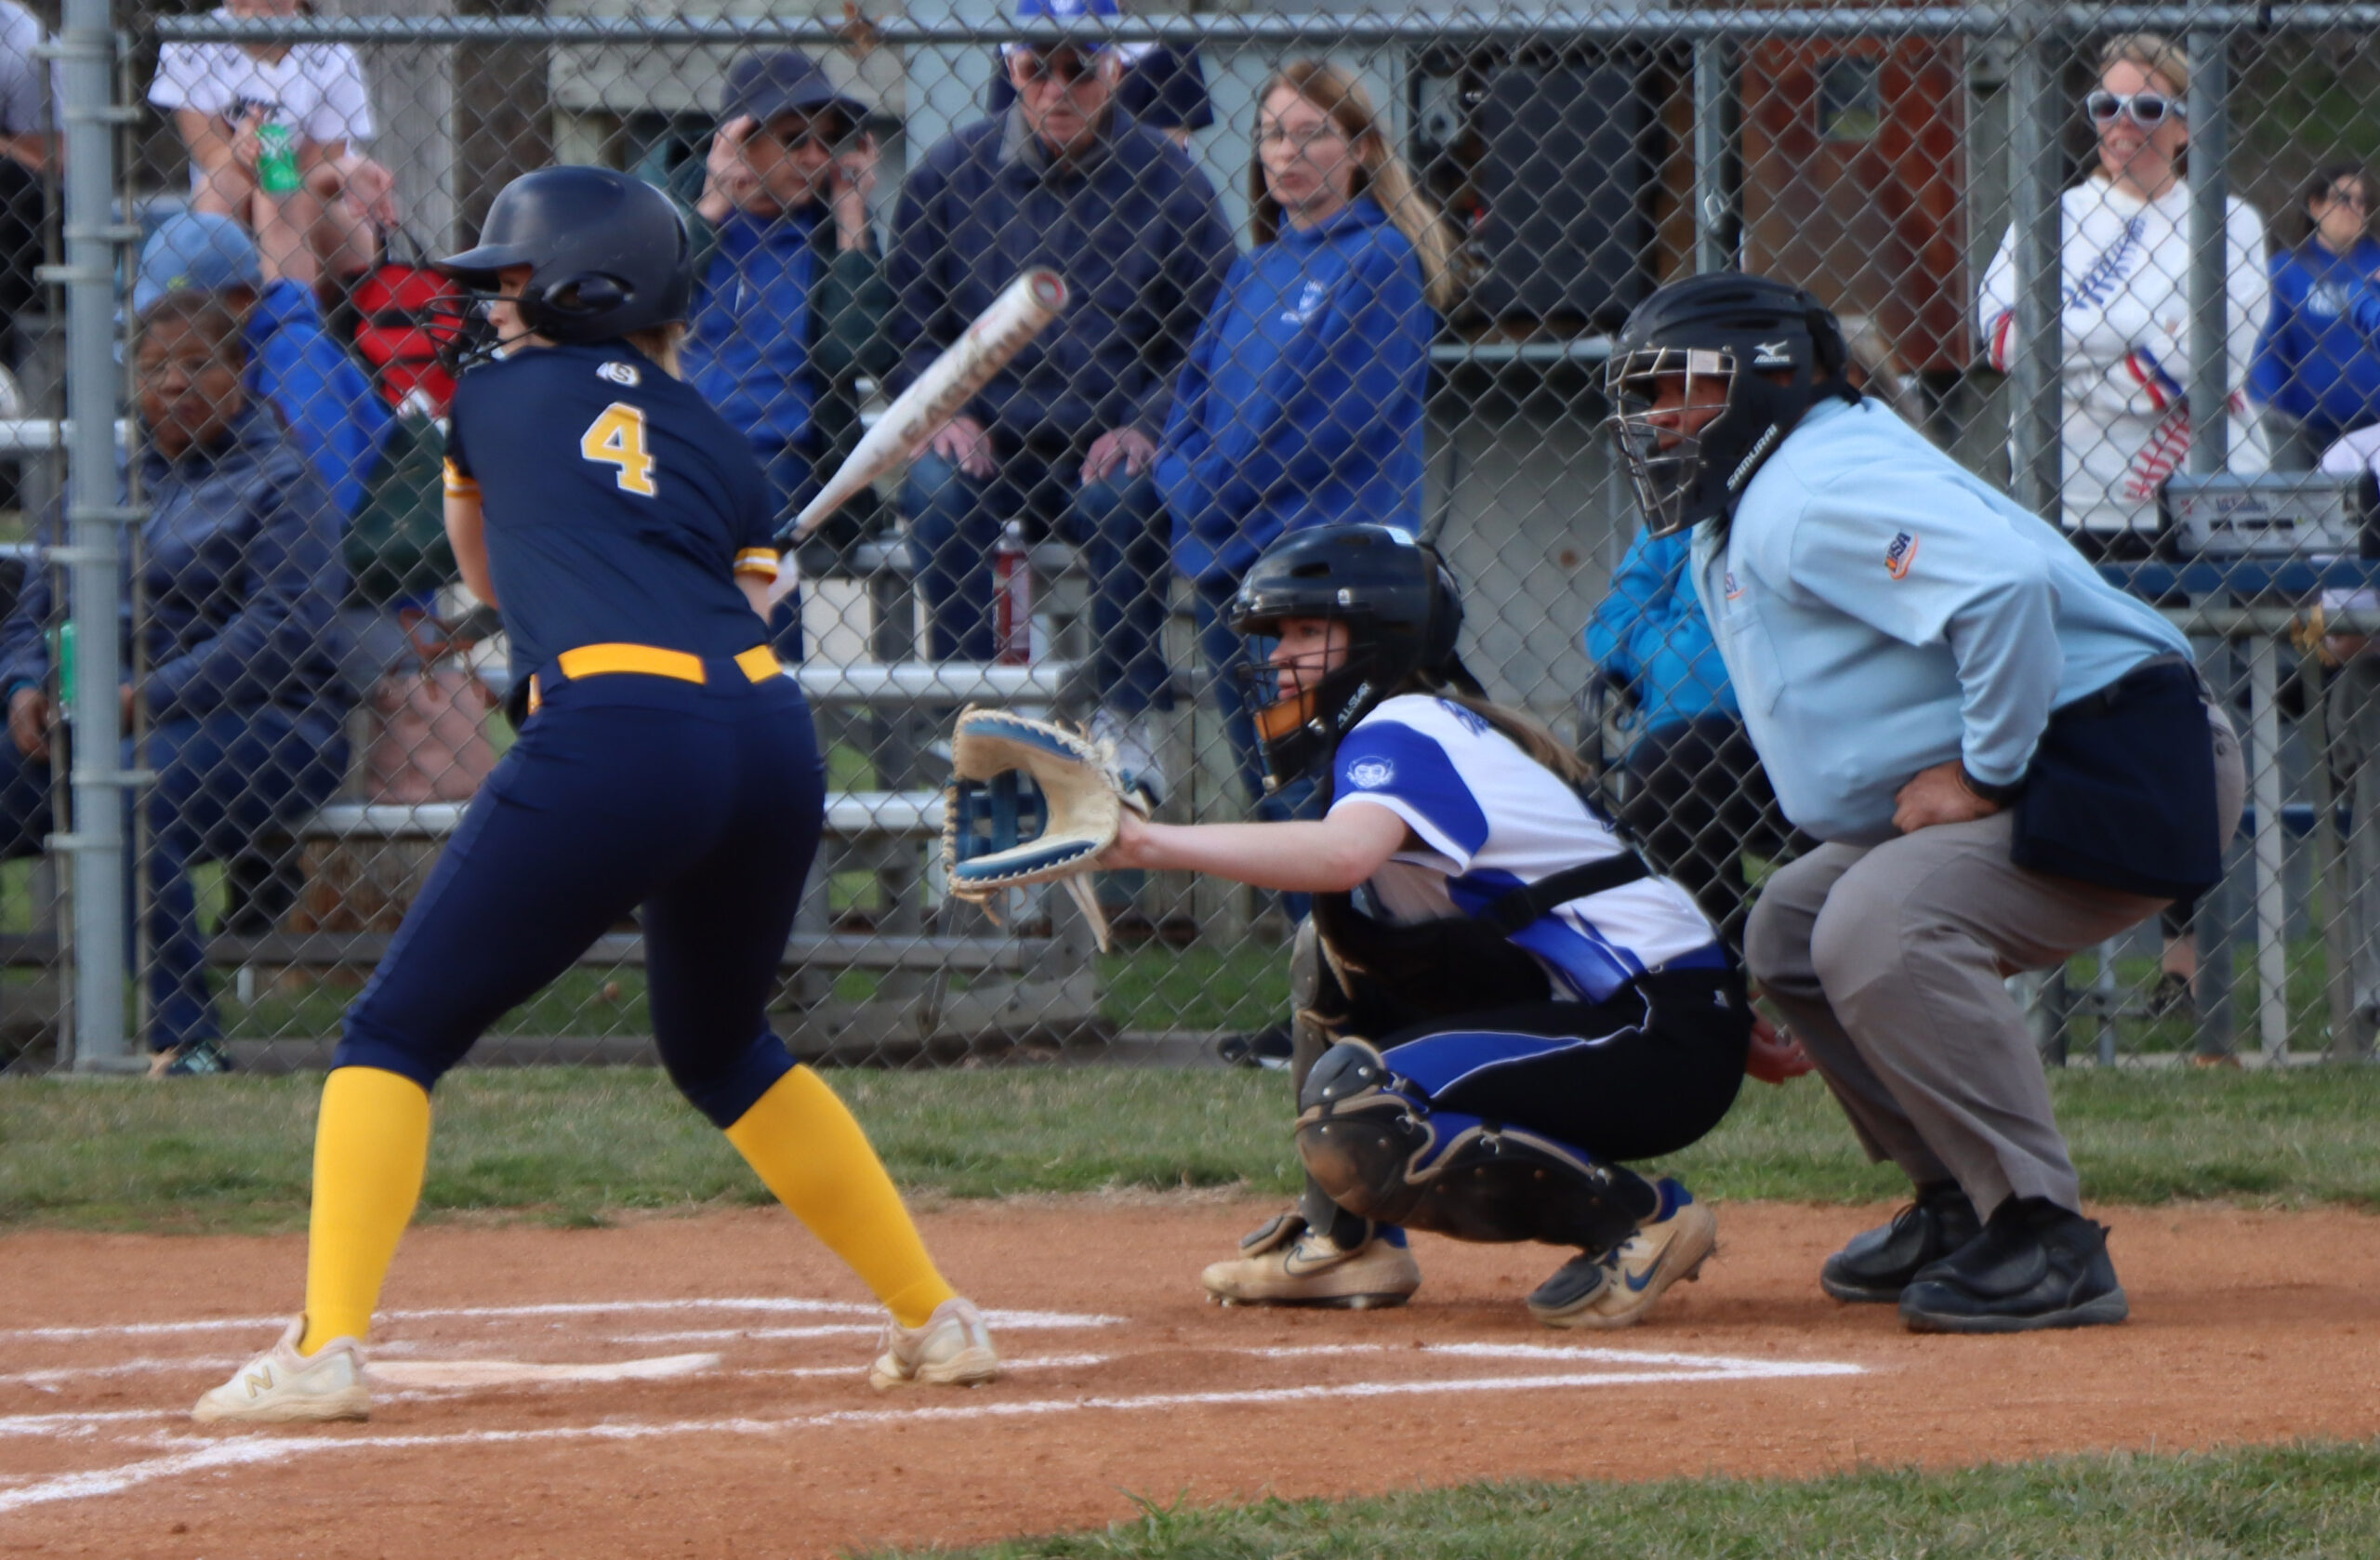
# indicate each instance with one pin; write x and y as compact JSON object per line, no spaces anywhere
{"x":1383,"y":290}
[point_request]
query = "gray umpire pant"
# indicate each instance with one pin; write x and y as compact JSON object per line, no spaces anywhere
{"x":1888,"y":962}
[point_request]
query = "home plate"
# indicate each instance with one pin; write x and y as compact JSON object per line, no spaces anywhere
{"x":515,"y":1372}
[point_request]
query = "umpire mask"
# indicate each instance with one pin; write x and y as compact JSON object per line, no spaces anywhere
{"x":1708,"y":378}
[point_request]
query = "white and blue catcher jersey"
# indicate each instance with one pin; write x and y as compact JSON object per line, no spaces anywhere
{"x":1491,"y":819}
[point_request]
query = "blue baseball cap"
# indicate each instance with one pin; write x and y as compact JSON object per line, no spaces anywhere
{"x":782,"y":81}
{"x":1028,"y":11}
{"x":200,"y":251}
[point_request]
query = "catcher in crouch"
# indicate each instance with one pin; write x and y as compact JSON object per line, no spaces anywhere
{"x":1504,"y":1004}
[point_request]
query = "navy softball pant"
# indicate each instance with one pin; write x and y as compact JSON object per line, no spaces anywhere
{"x":696,"y":806}
{"x":1645,"y":1074}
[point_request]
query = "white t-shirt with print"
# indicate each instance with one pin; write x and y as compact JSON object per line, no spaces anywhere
{"x":317,"y":88}
{"x":1492,"y":819}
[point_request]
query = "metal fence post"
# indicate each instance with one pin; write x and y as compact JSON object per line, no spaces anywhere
{"x":1712,"y":85}
{"x":2210,"y":386}
{"x":2036,"y":436}
{"x":94,"y":512}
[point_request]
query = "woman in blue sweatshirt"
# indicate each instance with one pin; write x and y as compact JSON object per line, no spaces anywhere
{"x":2319,"y":360}
{"x":1301,"y":401}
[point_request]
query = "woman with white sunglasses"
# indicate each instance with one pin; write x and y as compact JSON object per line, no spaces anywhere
{"x":2125,"y":299}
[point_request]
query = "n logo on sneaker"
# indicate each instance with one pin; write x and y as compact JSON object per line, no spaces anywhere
{"x":258,"y":1383}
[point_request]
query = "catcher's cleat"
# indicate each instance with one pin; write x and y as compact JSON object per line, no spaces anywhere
{"x":953,"y":1349}
{"x":1288,"y":1263}
{"x":1879,"y":1264}
{"x":282,"y":1386}
{"x":1669,"y":1248}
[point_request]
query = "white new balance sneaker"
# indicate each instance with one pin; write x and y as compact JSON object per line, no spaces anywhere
{"x":1667,"y":1249}
{"x":282,"y":1386}
{"x":954,"y":1349}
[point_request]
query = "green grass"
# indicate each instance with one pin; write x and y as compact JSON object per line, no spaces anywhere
{"x":580,"y":1146}
{"x":1210,"y":990}
{"x":2261,"y":1503}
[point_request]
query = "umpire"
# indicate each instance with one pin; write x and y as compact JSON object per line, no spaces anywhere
{"x":2007,"y":760}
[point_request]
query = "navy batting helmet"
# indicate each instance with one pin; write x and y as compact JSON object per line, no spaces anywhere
{"x":1759,"y":349}
{"x":608,"y":254}
{"x":1403,"y":612}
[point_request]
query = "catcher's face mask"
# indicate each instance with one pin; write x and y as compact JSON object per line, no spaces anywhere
{"x":1314,"y":684}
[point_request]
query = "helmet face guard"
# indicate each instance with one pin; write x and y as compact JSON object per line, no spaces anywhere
{"x":1298,"y":730}
{"x":1684,"y":474}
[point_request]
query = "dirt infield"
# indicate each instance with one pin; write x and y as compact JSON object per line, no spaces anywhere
{"x":757,"y":1435}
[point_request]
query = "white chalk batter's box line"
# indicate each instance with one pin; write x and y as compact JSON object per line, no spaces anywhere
{"x":187,"y":1454}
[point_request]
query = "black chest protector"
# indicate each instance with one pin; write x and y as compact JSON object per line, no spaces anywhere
{"x":1394,"y":976}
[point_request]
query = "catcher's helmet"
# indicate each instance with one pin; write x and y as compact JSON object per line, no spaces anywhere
{"x":1736,"y":331}
{"x":609,"y":254}
{"x":1402,"y":610}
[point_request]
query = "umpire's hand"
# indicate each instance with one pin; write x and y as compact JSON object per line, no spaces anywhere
{"x":1938,"y":796}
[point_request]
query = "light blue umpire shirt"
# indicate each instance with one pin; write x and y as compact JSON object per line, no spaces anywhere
{"x":1882,"y":610}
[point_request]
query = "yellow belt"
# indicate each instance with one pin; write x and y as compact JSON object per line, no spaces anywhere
{"x":760,"y":663}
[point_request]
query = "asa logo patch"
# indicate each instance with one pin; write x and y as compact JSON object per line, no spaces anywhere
{"x":1370,"y":774}
{"x":620,"y":372}
{"x":1901,"y":555}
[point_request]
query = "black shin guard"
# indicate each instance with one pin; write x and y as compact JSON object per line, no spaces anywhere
{"x":1371,"y":1146}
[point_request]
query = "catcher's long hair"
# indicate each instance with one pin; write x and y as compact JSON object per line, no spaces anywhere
{"x":1525,"y":731}
{"x":1379,"y":173}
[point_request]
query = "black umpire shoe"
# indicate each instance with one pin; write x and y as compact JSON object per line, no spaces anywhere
{"x":2035,"y":1265}
{"x":1879,"y":1264}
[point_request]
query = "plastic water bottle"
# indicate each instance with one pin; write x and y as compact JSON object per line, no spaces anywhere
{"x":1012,"y":597}
{"x":277,"y":158}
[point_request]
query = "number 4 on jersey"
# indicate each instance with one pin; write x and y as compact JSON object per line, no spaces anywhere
{"x":617,"y":439}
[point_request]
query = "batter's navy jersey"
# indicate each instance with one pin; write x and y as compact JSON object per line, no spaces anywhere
{"x":619,"y":506}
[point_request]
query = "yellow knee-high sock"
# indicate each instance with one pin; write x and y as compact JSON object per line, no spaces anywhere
{"x":809,"y":1151}
{"x":371,"y":1147}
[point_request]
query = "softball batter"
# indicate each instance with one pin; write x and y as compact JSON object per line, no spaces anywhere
{"x":1519,"y":1003}
{"x":666,"y":768}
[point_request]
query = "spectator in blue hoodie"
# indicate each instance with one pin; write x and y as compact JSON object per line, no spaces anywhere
{"x":1065,"y":435}
{"x":239,"y":667}
{"x":790,"y":296}
{"x":2317,"y":362}
{"x":1696,"y":795}
{"x":1302,"y":401}
{"x":321,"y":394}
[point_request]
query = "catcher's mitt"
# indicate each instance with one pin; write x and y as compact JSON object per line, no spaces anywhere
{"x":1030,"y":802}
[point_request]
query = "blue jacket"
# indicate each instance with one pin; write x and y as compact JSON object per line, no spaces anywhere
{"x":1883,"y":610}
{"x":1302,"y":401}
{"x":747,"y":343}
{"x":1649,"y":632}
{"x":2318,"y":358}
{"x":242,"y":571}
{"x":1134,"y":230}
{"x":329,"y":404}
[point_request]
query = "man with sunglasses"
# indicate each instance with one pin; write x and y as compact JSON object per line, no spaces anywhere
{"x":790,"y":298}
{"x":1063,"y":437}
{"x":2125,"y":311}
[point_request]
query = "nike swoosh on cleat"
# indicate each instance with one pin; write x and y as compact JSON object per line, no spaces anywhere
{"x":1638,"y":1286}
